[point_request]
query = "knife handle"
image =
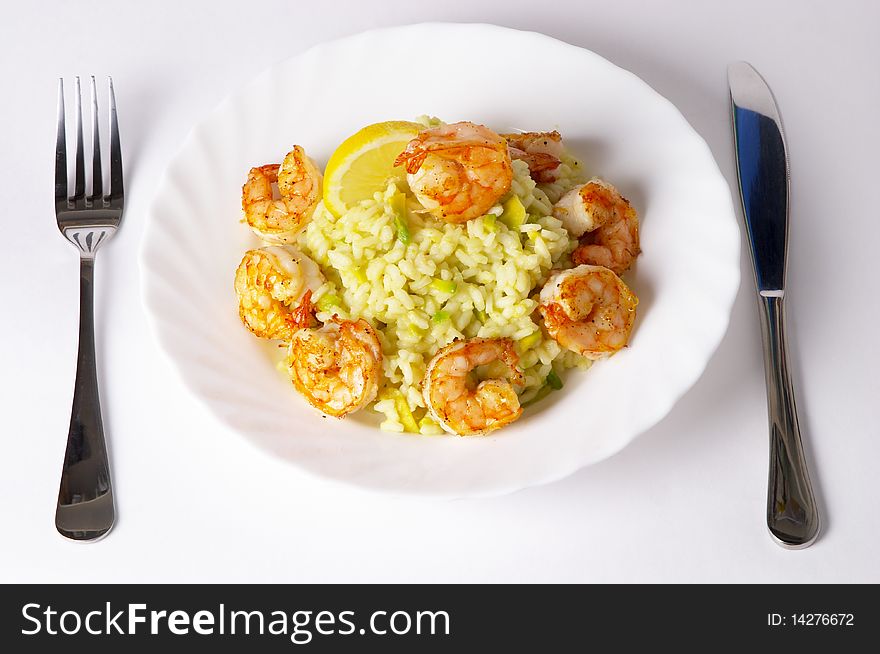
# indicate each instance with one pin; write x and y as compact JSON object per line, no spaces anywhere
{"x":792,"y":515}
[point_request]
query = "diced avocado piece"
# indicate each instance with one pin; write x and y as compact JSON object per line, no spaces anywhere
{"x":359,"y":275}
{"x":405,"y":415}
{"x":514,"y":215}
{"x":444,"y":286}
{"x":402,"y":408}
{"x":327,"y":301}
{"x":530,"y":341}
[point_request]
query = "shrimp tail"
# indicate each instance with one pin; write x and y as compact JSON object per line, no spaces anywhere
{"x":539,"y":163}
{"x":412,"y":158}
{"x":303,"y":316}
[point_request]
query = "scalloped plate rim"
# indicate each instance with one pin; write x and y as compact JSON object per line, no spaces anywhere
{"x":487,"y":490}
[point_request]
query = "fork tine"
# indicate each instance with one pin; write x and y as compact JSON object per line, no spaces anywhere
{"x":79,"y":187}
{"x":115,"y":152}
{"x":61,"y":151}
{"x":97,"y":182}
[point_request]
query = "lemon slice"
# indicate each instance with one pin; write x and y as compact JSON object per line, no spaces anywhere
{"x":364,"y":163}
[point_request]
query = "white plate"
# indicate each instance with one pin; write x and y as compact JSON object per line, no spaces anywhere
{"x":623,"y":130}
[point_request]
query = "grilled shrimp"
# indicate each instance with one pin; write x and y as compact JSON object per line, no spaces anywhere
{"x":269,"y":283}
{"x":457,"y":171}
{"x":542,"y":151}
{"x":588,"y":310}
{"x":606,"y":222}
{"x":299,"y":187}
{"x":458,"y":403}
{"x":336,"y":367}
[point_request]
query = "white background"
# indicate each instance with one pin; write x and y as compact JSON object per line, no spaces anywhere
{"x":683,"y":503}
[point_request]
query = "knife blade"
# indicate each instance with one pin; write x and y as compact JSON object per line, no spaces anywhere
{"x":762,"y":166}
{"x":763,"y":173}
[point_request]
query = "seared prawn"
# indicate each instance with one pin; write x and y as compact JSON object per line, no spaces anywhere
{"x":336,"y":367}
{"x":588,"y":310}
{"x":270,"y":282}
{"x":299,"y":187}
{"x":457,"y":171}
{"x":458,"y":403}
{"x":606,"y":222}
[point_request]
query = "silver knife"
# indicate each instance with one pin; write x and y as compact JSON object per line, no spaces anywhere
{"x":762,"y":170}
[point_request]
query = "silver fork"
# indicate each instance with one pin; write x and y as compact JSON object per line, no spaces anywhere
{"x":85,"y":500}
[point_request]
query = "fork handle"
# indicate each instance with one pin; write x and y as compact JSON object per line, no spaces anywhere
{"x":792,"y":514}
{"x":85,"y":499}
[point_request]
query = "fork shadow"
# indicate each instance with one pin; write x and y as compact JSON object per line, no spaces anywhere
{"x":139,"y":107}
